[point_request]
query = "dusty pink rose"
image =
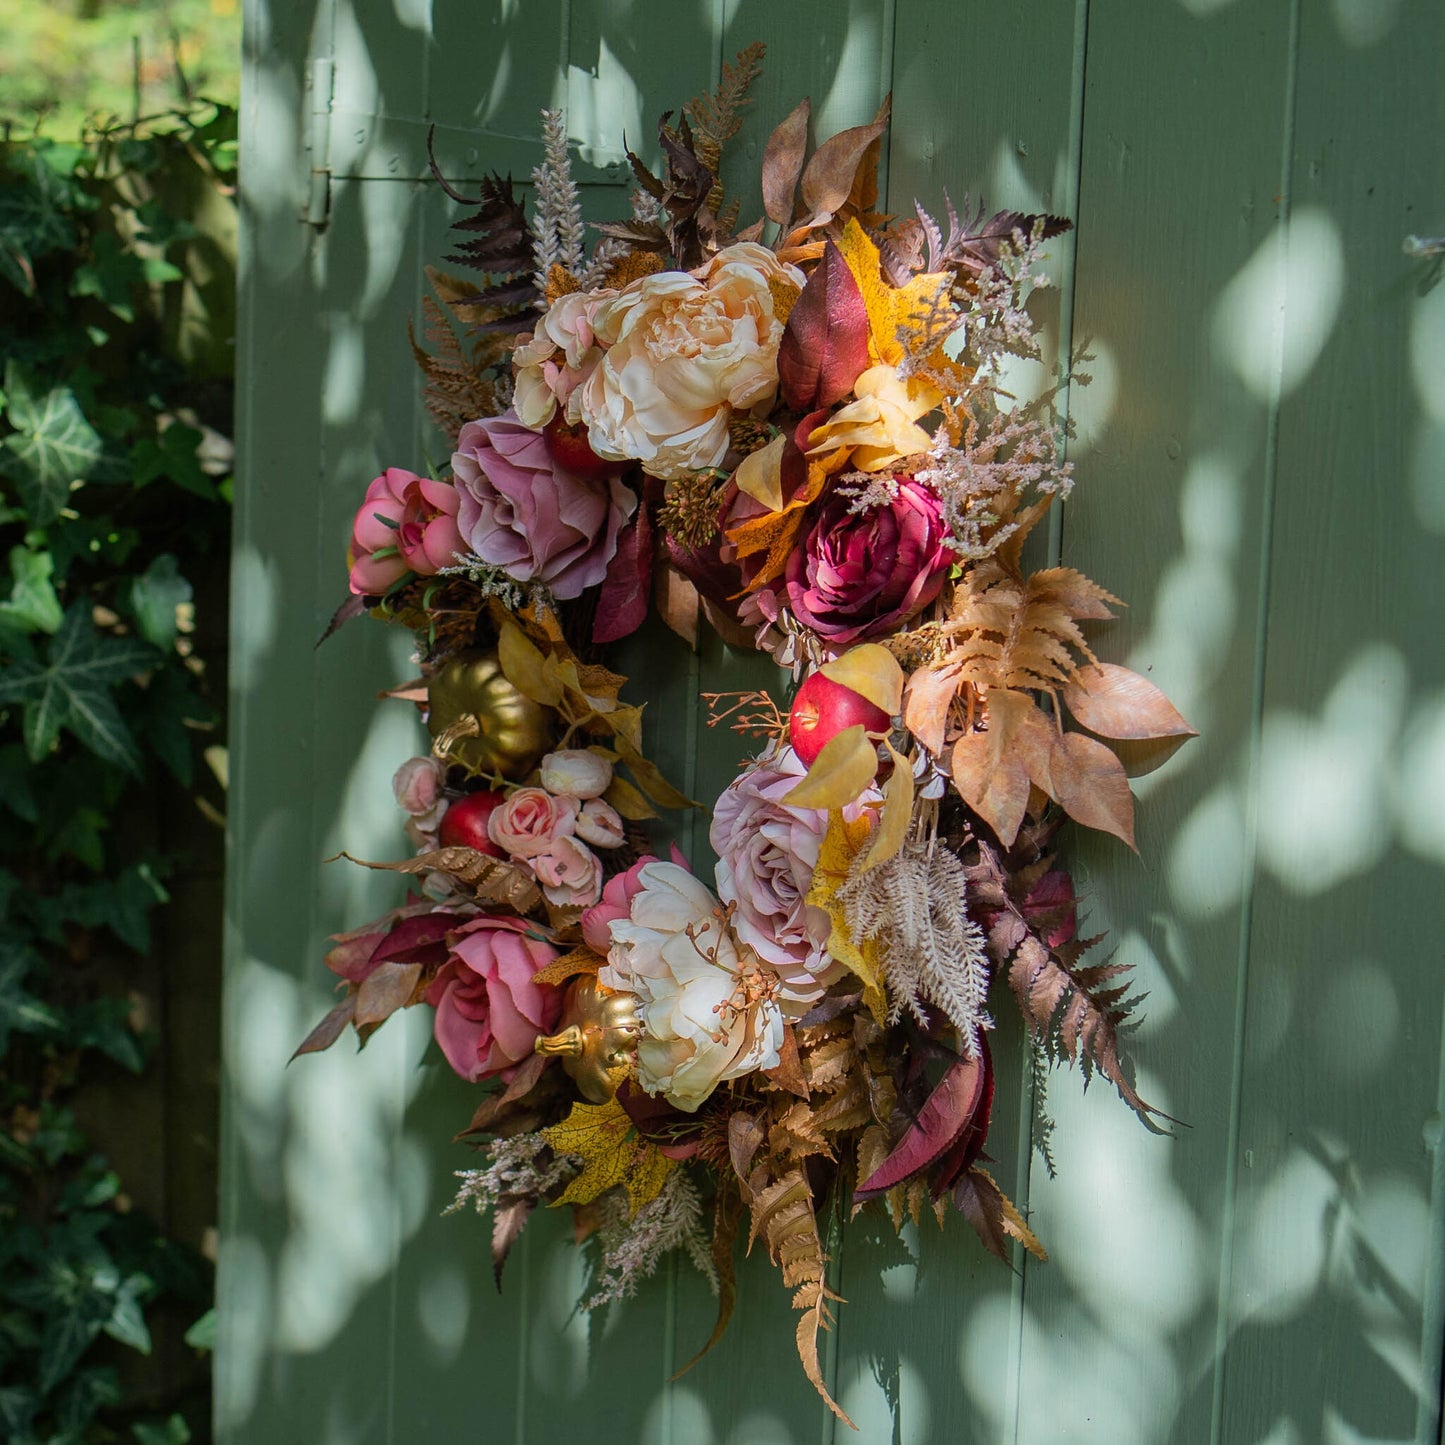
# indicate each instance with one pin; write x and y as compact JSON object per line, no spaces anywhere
{"x":854,"y":576}
{"x":523,"y":513}
{"x":406,"y":524}
{"x":417,"y":786}
{"x":530,"y":821}
{"x":600,"y":824}
{"x":570,"y":874}
{"x":767,"y":852}
{"x":557,"y":358}
{"x":488,"y":1010}
{"x":575,"y":773}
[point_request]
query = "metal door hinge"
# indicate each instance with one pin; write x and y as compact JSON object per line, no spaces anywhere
{"x":318,"y":143}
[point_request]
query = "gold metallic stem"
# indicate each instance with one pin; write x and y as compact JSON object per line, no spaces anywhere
{"x":568,"y":1044}
{"x":466,"y":726}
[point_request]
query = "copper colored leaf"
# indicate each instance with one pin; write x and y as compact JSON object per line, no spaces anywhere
{"x":825,"y":343}
{"x":329,"y":1029}
{"x":828,"y":179}
{"x":745,"y":1137}
{"x":1089,"y":784}
{"x":677,"y":601}
{"x":998,"y":793}
{"x":783,"y":162}
{"x":993,"y":1214}
{"x":1116,"y":703}
{"x":490,"y":1111}
{"x":1141,"y":756}
{"x":787,"y":1073}
{"x":926,"y":701}
{"x":508,"y":1218}
{"x":948,"y":1111}
{"x":385,"y":990}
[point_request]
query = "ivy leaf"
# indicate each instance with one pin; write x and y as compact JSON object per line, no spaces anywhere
{"x":32,"y":605}
{"x":53,"y":446}
{"x":71,"y":689}
{"x":154,"y":597}
{"x":173,"y":457}
{"x":109,"y":275}
{"x":21,"y":1012}
{"x":604,"y":1137}
{"x":127,"y":1322}
{"x":33,"y":221}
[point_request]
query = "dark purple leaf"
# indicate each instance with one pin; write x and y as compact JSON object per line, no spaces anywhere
{"x":622,"y":603}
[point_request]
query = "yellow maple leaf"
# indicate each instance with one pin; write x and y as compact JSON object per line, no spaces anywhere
{"x":889,"y":307}
{"x":841,"y":844}
{"x":612,"y":1153}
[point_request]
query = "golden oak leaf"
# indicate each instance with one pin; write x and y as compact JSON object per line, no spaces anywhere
{"x":889,"y":307}
{"x":612,"y":1153}
{"x":841,"y":844}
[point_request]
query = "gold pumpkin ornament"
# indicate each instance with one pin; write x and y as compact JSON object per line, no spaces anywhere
{"x":481,"y":721}
{"x":599,"y":1034}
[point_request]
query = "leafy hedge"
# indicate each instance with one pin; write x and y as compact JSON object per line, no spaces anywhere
{"x":116,"y":279}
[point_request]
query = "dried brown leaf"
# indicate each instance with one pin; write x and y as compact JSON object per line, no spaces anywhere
{"x":1117,"y":703}
{"x":783,"y":162}
{"x":1088,"y":782}
{"x":828,"y":178}
{"x":387,"y":988}
{"x":329,"y":1029}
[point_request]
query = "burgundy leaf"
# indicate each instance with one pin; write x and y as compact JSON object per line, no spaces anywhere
{"x":969,"y":1144}
{"x":417,"y":940}
{"x":622,"y":604}
{"x":353,"y":607}
{"x":948,"y":1113}
{"x":825,"y":343}
{"x":508,"y":1218}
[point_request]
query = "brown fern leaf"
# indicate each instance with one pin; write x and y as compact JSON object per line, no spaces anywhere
{"x":453,"y":393}
{"x":783,"y":1215}
{"x":716,"y":115}
{"x":497,"y":243}
{"x":1024,"y":635}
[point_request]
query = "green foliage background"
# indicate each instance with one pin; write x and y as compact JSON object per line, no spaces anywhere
{"x":66,"y":62}
{"x":116,"y":313}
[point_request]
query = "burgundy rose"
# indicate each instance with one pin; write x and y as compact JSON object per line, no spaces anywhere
{"x":860,"y":575}
{"x":488,"y":1010}
{"x":535,"y":520}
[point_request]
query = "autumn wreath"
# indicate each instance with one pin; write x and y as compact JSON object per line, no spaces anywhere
{"x":796,"y":431}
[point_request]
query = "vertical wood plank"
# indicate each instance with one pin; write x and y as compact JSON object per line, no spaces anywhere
{"x":1334,"y":1296}
{"x":1184,"y":120}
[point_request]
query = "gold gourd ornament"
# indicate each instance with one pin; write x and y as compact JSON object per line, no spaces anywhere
{"x":597,"y":1039}
{"x":481,"y":721}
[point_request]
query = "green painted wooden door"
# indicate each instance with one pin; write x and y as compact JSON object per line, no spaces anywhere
{"x":1260,"y":474}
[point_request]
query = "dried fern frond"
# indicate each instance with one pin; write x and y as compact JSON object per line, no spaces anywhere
{"x":716,"y":116}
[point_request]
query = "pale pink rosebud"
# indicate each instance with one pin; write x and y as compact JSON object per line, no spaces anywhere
{"x":570,"y":875}
{"x":600,"y":824}
{"x":417,"y":784}
{"x":576,"y":773}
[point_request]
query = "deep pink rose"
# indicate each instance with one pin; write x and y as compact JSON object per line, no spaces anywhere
{"x":406,"y":524}
{"x":530,"y":821}
{"x":523,"y":513}
{"x":570,"y":874}
{"x":488,"y":1010}
{"x":854,"y":576}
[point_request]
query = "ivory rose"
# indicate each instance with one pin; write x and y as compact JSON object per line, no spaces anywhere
{"x":488,"y":1010}
{"x":405,"y":524}
{"x":682,"y":353}
{"x":767,"y":852}
{"x":535,"y":520}
{"x":575,"y":773}
{"x":707,"y":1005}
{"x":530,"y":821}
{"x":557,"y":358}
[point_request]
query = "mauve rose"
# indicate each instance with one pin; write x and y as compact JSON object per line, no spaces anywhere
{"x":523,"y":513}
{"x":412,"y":521}
{"x":530,"y":821}
{"x":570,"y":874}
{"x":854,"y":576}
{"x":767,"y":852}
{"x":600,"y":824}
{"x":488,"y":1010}
{"x":575,"y":773}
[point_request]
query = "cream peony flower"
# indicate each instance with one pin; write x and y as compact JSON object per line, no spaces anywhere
{"x":682,"y":352}
{"x":706,"y":1004}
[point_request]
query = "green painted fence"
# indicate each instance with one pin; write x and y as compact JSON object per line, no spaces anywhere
{"x":1260,"y":475}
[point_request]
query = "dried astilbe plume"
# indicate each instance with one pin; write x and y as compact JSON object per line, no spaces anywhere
{"x":557,"y":218}
{"x":915,"y":906}
{"x":633,"y":1244}
{"x":522,"y":1167}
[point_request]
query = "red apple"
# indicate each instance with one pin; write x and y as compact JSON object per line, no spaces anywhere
{"x":824,"y":708}
{"x":464,"y":824}
{"x":572,"y":450}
